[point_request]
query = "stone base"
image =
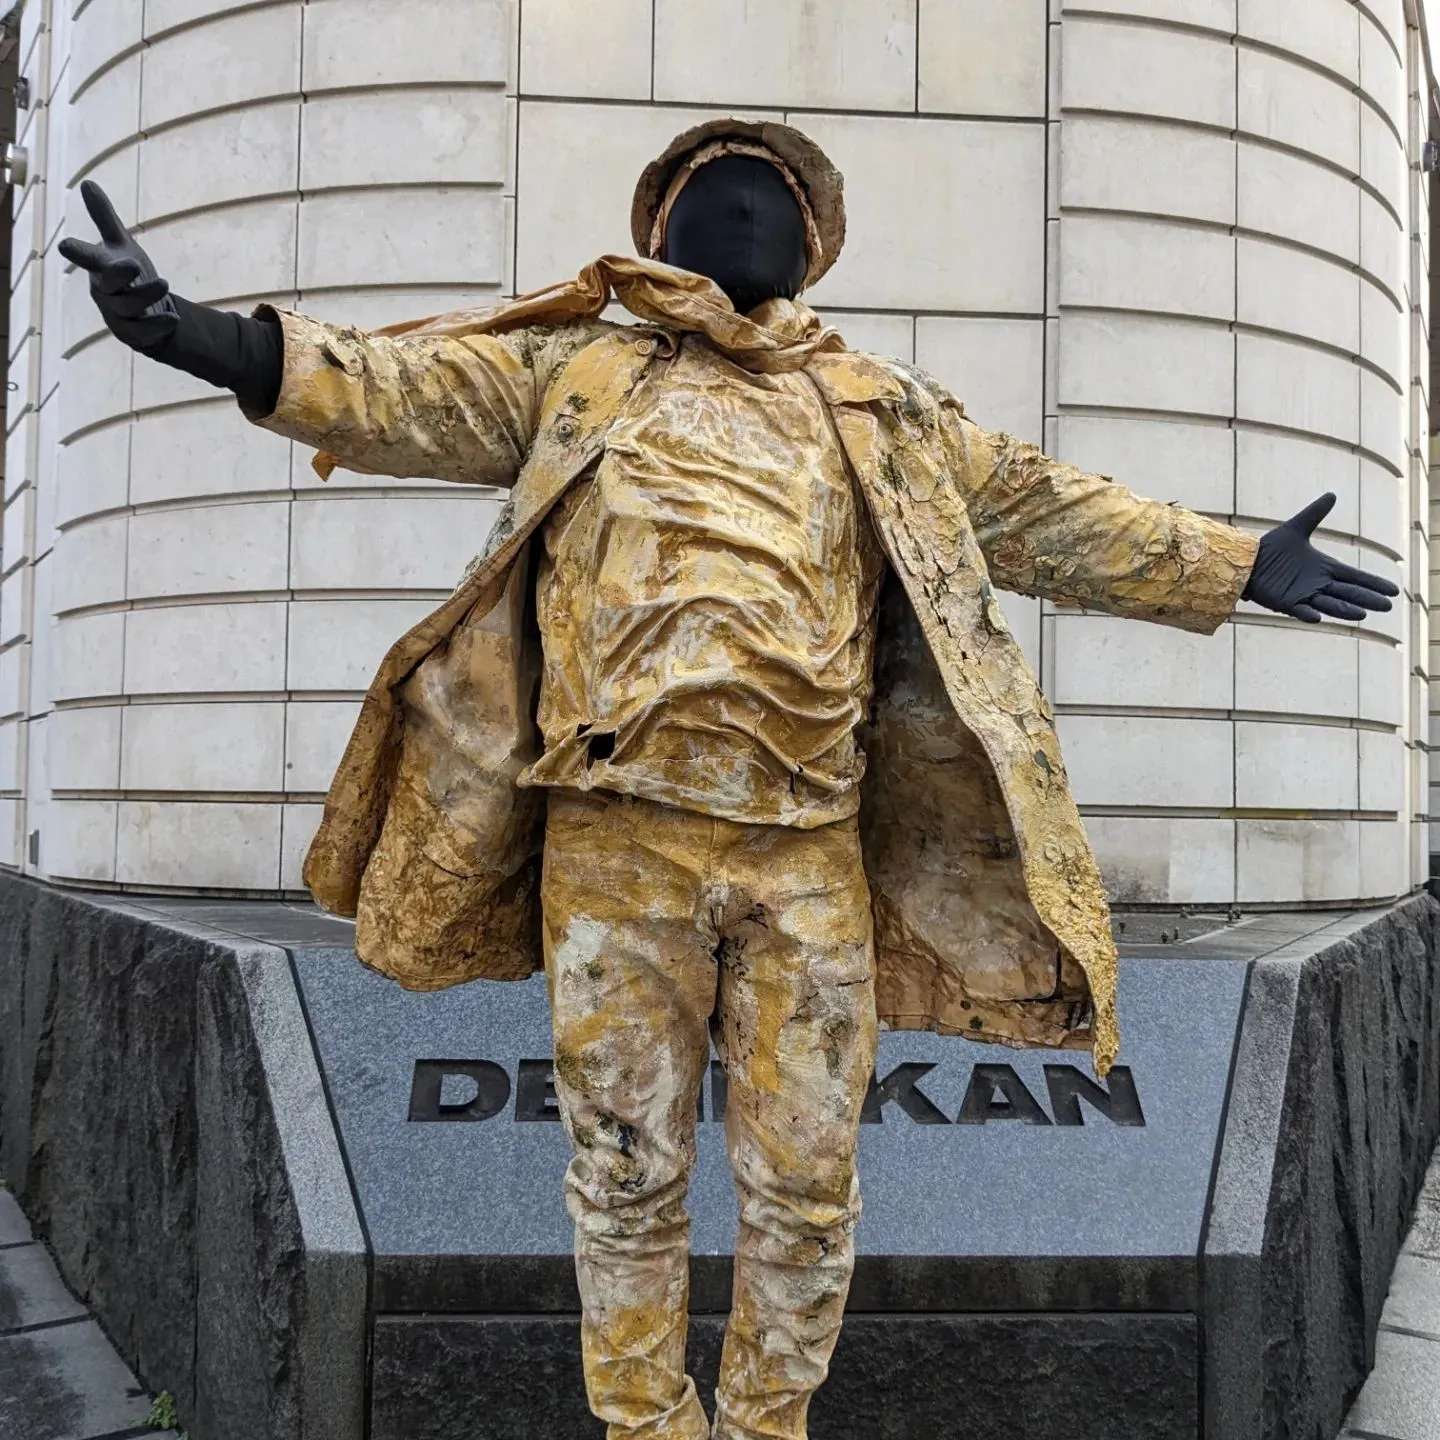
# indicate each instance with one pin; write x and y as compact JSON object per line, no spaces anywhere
{"x":260,"y":1163}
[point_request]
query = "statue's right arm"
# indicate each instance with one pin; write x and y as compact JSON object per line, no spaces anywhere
{"x":459,"y":409}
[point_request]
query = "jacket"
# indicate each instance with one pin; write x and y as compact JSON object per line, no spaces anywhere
{"x":991,"y":918}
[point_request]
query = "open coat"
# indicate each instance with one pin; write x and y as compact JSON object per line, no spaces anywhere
{"x":991,"y":919}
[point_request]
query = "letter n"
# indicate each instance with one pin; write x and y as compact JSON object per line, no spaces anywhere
{"x":1068,"y":1086}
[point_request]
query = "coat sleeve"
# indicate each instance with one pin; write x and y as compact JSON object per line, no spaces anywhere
{"x":1051,"y":530}
{"x":439,"y":407}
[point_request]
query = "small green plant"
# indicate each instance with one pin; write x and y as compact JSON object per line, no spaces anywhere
{"x":162,"y":1414}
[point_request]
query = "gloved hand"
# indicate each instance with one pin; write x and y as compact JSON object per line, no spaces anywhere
{"x":237,"y":352}
{"x":132,"y":298}
{"x":1294,"y":578}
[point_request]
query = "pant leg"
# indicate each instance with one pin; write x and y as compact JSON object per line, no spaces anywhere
{"x":632,"y":984}
{"x":796,"y":1027}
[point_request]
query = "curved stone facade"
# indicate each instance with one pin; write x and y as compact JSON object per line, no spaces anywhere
{"x":1179,"y":242}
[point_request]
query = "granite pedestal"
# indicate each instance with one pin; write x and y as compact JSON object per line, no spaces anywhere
{"x":344,"y":1217}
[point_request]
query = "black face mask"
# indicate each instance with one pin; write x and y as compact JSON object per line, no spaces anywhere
{"x":737,"y":222}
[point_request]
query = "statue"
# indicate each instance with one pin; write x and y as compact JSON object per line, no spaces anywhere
{"x":724,"y":727}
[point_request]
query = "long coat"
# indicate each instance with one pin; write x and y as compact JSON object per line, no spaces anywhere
{"x":991,"y":919}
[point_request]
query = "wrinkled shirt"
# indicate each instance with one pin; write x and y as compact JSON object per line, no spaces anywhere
{"x":707,"y":604}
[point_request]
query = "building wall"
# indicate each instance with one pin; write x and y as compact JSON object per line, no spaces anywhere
{"x":1178,"y":242}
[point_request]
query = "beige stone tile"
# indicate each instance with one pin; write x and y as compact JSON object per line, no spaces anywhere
{"x":1299,"y":107}
{"x":411,"y":137}
{"x":338,"y":644}
{"x":199,"y":845}
{"x":96,"y":386}
{"x":194,"y":649}
{"x":1384,"y":859}
{"x":209,"y":748}
{"x":1297,"y":861}
{"x":1382,"y":161}
{"x":1157,"y":861}
{"x":163,"y":15}
{"x":1276,"y":476}
{"x":178,"y":169}
{"x":216,"y":255}
{"x":1202,"y":14}
{"x":983,"y":57}
{"x":87,"y":656}
{"x":1324,"y":32}
{"x":1384,"y":253}
{"x":429,"y":237}
{"x":598,"y":49}
{"x":1283,"y":289}
{"x":1382,"y":771}
{"x":1384,"y":421}
{"x":1287,"y":670}
{"x":1382,"y":682}
{"x":1280,"y":382}
{"x":357,"y":544}
{"x":212,"y":549}
{"x":1191,"y":464}
{"x":1295,"y":767}
{"x":1384,"y":333}
{"x":252,"y":55}
{"x":205,"y":450}
{"x":79,"y":840}
{"x":847,"y":54}
{"x":1145,"y":70}
{"x":429,"y":42}
{"x":371,"y":307}
{"x":297,"y":830}
{"x":101,"y":33}
{"x":1103,"y":660}
{"x":315,"y":735}
{"x":1146,"y":363}
{"x":1382,"y":501}
{"x":91,"y":560}
{"x":83,"y":748}
{"x":1126,"y":263}
{"x":995,"y":367}
{"x":913,"y":190}
{"x":104,"y":115}
{"x":1147,"y":168}
{"x":14,"y":680}
{"x":1148,"y":760}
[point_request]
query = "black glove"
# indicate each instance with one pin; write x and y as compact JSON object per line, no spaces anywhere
{"x":235,"y":352}
{"x":1295,"y":578}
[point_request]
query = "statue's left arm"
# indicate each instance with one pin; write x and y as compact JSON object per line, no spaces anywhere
{"x":1051,"y":530}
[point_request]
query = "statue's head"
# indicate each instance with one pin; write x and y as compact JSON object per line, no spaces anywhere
{"x":756,"y":207}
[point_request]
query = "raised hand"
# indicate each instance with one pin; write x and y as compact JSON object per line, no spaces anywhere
{"x":132,"y":298}
{"x":1294,"y":578}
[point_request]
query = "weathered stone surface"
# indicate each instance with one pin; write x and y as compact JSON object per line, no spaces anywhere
{"x":984,"y":1377}
{"x":1401,"y":1400}
{"x":138,"y":1118}
{"x":1335,"y":1111}
{"x":14,"y":1227}
{"x":66,"y":1383}
{"x":31,"y":1293}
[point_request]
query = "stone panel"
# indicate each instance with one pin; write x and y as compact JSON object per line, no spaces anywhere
{"x":315,"y":736}
{"x":1149,"y":169}
{"x":1297,"y":862}
{"x":84,"y":748}
{"x":1284,"y":669}
{"x":1151,"y":860}
{"x":1277,"y":475}
{"x":178,"y":169}
{"x":1097,"y":658}
{"x":1145,"y":70}
{"x":102,"y":117}
{"x":917,"y":247}
{"x":253,"y":55}
{"x":436,"y":237}
{"x":414,"y":137}
{"x":359,"y":43}
{"x":1280,"y":288}
{"x":1147,"y":363}
{"x":207,"y":748}
{"x":199,"y":845}
{"x":1324,"y":32}
{"x":1299,"y":108}
{"x":1296,"y":767}
{"x":1149,"y":760}
{"x":99,"y":35}
{"x":612,"y":63}
{"x":995,"y":367}
{"x":1117,"y":262}
{"x":87,"y":657}
{"x":209,"y":550}
{"x":851,"y":54}
{"x":1193,"y":464}
{"x":1280,"y":382}
{"x":91,"y":565}
{"x":219,"y":254}
{"x":337,"y":644}
{"x":983,"y":57}
{"x":190,"y":649}
{"x":204,"y":450}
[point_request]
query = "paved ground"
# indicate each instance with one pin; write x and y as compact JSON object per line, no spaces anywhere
{"x":60,"y":1378}
{"x":1401,"y":1401}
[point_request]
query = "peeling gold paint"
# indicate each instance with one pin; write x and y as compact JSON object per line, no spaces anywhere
{"x":991,"y":918}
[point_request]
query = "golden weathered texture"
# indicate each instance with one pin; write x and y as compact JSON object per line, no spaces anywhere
{"x":663,"y":927}
{"x":992,"y":920}
{"x":707,"y":604}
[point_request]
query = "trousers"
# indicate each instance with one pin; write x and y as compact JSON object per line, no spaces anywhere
{"x":667,"y":930}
